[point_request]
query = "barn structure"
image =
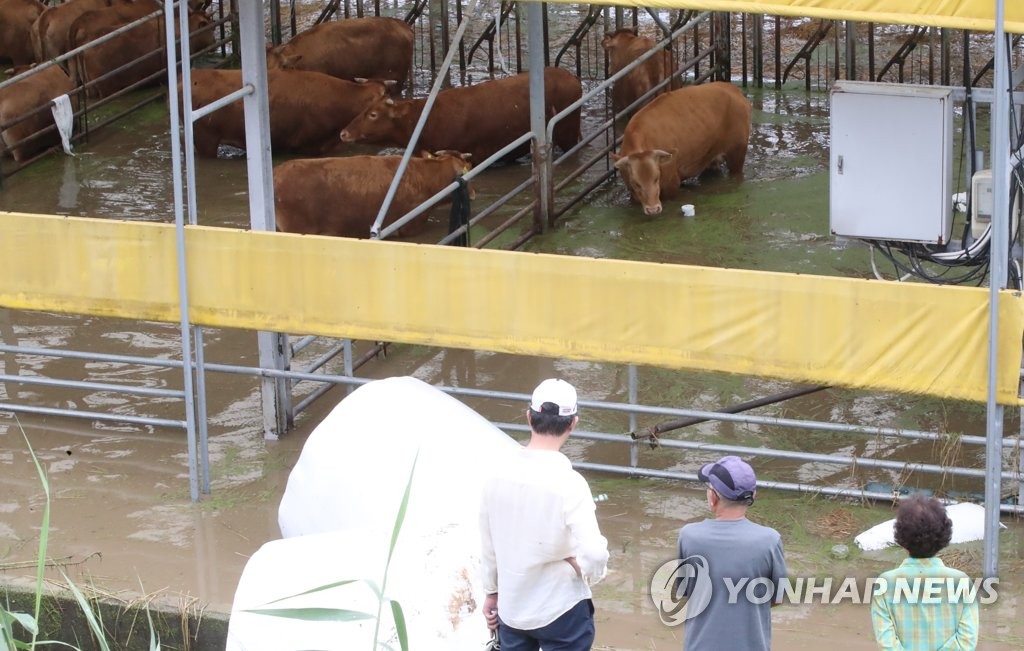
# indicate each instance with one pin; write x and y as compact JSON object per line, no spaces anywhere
{"x":835,"y":331}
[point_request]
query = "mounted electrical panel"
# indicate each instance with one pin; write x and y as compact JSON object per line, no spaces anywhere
{"x":891,"y":165}
{"x":981,"y":202}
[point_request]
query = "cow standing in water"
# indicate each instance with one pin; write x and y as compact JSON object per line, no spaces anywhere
{"x":678,"y":136}
{"x":50,"y":30}
{"x":624,"y":47}
{"x":369,"y":48}
{"x":16,"y":20}
{"x":342,"y":196}
{"x":478,"y":119}
{"x":140,"y":45}
{"x":24,"y":97}
{"x":307,"y":109}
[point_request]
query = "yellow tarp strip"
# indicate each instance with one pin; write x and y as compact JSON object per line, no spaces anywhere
{"x":977,"y":15}
{"x":848,"y":332}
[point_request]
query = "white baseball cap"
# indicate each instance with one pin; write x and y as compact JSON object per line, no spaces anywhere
{"x":556,"y":391}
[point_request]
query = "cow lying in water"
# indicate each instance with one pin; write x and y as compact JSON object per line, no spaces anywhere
{"x":306,"y":109}
{"x":679,"y":135}
{"x":478,"y":120}
{"x":371,"y":48}
{"x":24,"y":97}
{"x":342,"y":196}
{"x":624,"y":46}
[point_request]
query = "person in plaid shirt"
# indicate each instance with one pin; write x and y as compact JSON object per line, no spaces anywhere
{"x":925,"y":606}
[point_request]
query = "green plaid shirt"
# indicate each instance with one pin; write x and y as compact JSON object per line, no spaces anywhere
{"x":910,"y":617}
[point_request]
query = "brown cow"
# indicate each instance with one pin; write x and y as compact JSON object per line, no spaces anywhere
{"x":478,"y":119}
{"x":678,"y":136}
{"x":16,"y":19}
{"x":371,"y":48}
{"x":307,"y":109}
{"x":624,"y":47}
{"x":342,"y":196}
{"x":142,"y":40}
{"x":24,"y":97}
{"x":50,"y":30}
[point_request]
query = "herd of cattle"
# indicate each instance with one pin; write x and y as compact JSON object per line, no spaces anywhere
{"x":339,"y":83}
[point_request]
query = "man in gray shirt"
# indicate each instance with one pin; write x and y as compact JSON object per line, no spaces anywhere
{"x":743,"y":561}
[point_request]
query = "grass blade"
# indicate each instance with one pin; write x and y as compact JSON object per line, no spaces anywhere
{"x":403,"y":636}
{"x":90,"y":616}
{"x":44,"y":529}
{"x":395,"y":530}
{"x":321,"y":588}
{"x":312,"y":614}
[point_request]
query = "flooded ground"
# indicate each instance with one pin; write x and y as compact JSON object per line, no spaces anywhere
{"x":121,"y":517}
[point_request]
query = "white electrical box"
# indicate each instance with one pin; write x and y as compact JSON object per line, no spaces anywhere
{"x":891,"y":162}
{"x":981,"y":202}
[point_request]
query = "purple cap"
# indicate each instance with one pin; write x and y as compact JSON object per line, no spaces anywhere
{"x":731,"y":477}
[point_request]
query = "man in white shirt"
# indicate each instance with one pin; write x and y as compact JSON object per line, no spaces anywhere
{"x":541,"y":546}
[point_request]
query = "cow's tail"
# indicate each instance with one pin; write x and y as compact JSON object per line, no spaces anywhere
{"x":459,"y":214}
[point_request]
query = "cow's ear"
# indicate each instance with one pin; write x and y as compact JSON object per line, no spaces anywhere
{"x":621,"y":163}
{"x":662,"y":157}
{"x":289,"y":60}
{"x":606,"y":42}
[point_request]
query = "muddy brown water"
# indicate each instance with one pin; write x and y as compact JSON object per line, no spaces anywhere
{"x":121,"y":517}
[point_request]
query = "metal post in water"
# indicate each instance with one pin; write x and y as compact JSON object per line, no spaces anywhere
{"x":538,"y":117}
{"x":758,"y":51}
{"x":190,"y":189}
{"x":179,"y":227}
{"x":997,"y":282}
{"x":634,"y":447}
{"x":272,"y":347}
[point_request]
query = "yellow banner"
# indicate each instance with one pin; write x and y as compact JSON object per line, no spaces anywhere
{"x":866,"y":334}
{"x":977,"y":15}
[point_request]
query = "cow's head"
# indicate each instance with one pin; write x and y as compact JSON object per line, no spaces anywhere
{"x":379,"y":88}
{"x":280,"y":57}
{"x":457,"y":161}
{"x":642,"y":173}
{"x":200,"y":26}
{"x":618,"y":37}
{"x":380,"y":122}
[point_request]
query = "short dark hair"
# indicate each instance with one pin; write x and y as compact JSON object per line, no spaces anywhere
{"x":922,"y":526}
{"x":548,"y":421}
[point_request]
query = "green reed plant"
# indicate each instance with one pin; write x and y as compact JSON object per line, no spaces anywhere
{"x":30,"y":621}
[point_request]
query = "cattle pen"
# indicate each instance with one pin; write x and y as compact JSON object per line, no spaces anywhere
{"x":215,"y":268}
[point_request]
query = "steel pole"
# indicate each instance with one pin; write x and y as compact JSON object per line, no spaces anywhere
{"x":427,"y":106}
{"x":179,"y":223}
{"x":997,"y":281}
{"x":541,"y":146}
{"x":274,"y":391}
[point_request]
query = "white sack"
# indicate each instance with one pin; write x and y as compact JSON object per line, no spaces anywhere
{"x":64,"y":118}
{"x":968,"y":524}
{"x":338,"y":512}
